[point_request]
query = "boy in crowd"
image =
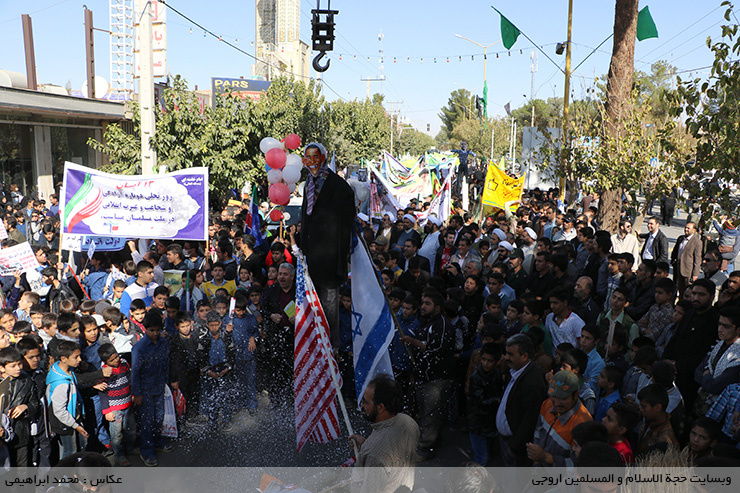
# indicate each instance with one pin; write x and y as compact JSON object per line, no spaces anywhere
{"x":657,"y":426}
{"x":576,"y":362}
{"x":114,"y":297}
{"x":590,"y":337}
{"x":115,"y":403}
{"x":493,"y":306}
{"x":512,"y":325}
{"x":136,"y":314}
{"x":37,"y":317}
{"x":619,"y":420}
{"x":65,"y":403}
{"x":27,"y":300}
{"x":704,"y":435}
{"x":161,"y":293}
{"x":48,"y":328}
{"x":171,"y":307}
{"x":68,"y":329}
{"x":149,"y":375}
{"x":244,"y":331}
{"x":616,"y":351}
{"x":216,"y":352}
{"x":609,"y":381}
{"x":218,"y":273}
{"x":659,"y":315}
{"x":30,"y":349}
{"x":184,"y":363}
{"x":484,"y":395}
{"x":21,"y":407}
{"x":533,"y":316}
{"x":563,"y":324}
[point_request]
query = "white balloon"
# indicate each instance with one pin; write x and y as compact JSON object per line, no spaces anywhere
{"x":291,"y":174}
{"x":294,"y":160}
{"x":286,"y":215}
{"x":269,"y":143}
{"x":274,"y":176}
{"x":291,"y":187}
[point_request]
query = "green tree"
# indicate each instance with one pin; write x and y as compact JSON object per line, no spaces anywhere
{"x":357,"y":129}
{"x":712,"y":111}
{"x":460,"y":106}
{"x":413,"y":142}
{"x":226,"y":138}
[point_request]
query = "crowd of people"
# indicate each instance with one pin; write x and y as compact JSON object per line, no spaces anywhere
{"x":536,"y":332}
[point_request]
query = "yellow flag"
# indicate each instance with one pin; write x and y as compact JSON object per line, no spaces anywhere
{"x":500,"y":188}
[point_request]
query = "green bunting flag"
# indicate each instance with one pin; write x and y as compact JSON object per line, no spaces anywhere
{"x":645,"y":25}
{"x":509,"y":32}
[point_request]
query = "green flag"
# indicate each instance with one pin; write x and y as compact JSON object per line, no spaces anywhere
{"x":485,"y":99}
{"x":645,"y":25}
{"x":509,"y":32}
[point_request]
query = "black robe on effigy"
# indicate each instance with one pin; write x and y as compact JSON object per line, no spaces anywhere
{"x":326,"y":233}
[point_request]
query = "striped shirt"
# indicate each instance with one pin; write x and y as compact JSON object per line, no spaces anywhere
{"x":117,"y":396}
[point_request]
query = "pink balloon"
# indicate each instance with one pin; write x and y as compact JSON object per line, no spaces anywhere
{"x":276,"y":215}
{"x":279,"y":194}
{"x":275,"y":158}
{"x":292,"y":142}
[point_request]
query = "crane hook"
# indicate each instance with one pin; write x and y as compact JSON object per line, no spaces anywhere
{"x":317,"y":65}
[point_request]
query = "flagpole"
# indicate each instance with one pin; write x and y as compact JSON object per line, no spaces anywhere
{"x":395,"y":320}
{"x":335,"y":380}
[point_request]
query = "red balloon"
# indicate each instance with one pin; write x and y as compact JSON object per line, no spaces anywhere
{"x":276,"y":215}
{"x":292,"y":142}
{"x":279,"y":193}
{"x":275,"y":158}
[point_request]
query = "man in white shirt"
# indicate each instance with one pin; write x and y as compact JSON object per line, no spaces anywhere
{"x":626,"y":242}
{"x":431,"y":242}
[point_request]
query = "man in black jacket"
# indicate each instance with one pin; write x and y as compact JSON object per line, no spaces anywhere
{"x":656,"y":242}
{"x":433,"y":370}
{"x":642,"y":296}
{"x":693,"y":339}
{"x":519,"y":410}
{"x":326,"y":228}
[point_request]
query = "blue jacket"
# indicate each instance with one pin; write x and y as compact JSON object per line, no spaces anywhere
{"x":151,"y":366}
{"x":244,"y":328}
{"x":95,"y":282}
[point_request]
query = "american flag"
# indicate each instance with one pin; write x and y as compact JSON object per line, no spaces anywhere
{"x":316,"y":417}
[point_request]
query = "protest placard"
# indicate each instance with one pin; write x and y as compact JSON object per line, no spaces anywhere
{"x":173,"y":280}
{"x":167,"y":206}
{"x":17,"y":258}
{"x":81,"y":243}
{"x":3,"y":231}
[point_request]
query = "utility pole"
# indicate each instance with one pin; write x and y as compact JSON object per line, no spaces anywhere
{"x":381,"y":77}
{"x":30,"y":53}
{"x":566,"y":97}
{"x":90,"y":53}
{"x":146,"y":92}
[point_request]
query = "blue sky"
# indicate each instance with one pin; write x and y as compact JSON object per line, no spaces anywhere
{"x":410,"y":28}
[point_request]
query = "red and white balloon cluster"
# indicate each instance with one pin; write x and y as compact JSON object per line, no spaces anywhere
{"x":283,"y":169}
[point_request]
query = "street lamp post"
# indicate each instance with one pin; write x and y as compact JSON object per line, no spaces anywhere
{"x":485,"y":68}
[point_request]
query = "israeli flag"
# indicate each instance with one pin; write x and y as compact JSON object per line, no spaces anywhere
{"x":372,"y":323}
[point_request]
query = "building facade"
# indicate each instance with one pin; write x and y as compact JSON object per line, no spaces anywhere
{"x":40,"y":131}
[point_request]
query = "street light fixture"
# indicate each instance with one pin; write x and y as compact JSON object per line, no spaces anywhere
{"x":485,"y":68}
